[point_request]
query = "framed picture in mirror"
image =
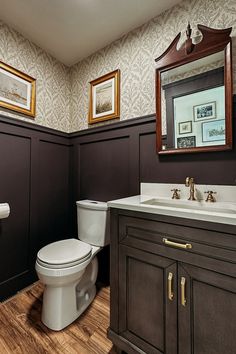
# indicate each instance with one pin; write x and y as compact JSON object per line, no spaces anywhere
{"x":185,"y":127}
{"x":213,"y":130}
{"x":186,"y":142}
{"x":204,"y":111}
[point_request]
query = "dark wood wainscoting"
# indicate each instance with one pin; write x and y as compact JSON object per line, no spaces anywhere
{"x":43,"y":172}
{"x":34,"y":180}
{"x":110,"y":161}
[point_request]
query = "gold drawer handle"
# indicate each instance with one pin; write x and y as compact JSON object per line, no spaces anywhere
{"x":183,"y":296}
{"x":176,"y":244}
{"x":170,"y":292}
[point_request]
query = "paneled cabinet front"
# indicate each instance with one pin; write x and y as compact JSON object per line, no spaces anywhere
{"x":147,"y":318}
{"x":171,"y":298}
{"x":206,"y":311}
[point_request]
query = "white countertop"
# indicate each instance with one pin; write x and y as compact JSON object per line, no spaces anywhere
{"x":135,"y":204}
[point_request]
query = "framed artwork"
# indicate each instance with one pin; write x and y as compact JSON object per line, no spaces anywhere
{"x":17,"y":90}
{"x":185,"y":127}
{"x":204,"y":111}
{"x":186,"y":142}
{"x":104,"y":100}
{"x":213,"y":131}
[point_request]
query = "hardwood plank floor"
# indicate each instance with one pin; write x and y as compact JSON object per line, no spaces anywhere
{"x":22,"y":332}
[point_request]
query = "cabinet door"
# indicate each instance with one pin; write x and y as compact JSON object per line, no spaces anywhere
{"x":207,"y":319}
{"x":148,"y":301}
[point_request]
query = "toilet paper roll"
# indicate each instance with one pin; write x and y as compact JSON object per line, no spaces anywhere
{"x":4,"y":210}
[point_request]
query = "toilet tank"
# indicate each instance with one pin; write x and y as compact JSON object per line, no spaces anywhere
{"x":93,"y":221}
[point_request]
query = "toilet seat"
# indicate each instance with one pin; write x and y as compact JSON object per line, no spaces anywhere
{"x":64,"y":254}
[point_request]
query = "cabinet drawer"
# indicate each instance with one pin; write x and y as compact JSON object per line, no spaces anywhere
{"x":149,"y":235}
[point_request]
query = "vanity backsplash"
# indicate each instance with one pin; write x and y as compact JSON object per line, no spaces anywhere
{"x":164,"y":190}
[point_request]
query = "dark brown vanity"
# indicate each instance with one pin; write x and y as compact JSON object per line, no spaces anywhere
{"x":173,"y":284}
{"x":173,"y":277}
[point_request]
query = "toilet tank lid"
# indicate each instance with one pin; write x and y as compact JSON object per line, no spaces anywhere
{"x":92,"y":204}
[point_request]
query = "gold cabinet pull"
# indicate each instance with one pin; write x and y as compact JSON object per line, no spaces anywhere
{"x":170,"y":291}
{"x":176,"y":244}
{"x":183,"y":293}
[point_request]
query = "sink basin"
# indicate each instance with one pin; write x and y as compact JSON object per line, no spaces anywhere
{"x":192,"y":206}
{"x":222,"y":211}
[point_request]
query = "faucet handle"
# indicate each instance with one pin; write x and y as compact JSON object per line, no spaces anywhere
{"x":189,"y":181}
{"x":210,"y":198}
{"x":175,"y":193}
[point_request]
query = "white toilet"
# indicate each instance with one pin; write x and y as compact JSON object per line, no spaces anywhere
{"x":69,"y":268}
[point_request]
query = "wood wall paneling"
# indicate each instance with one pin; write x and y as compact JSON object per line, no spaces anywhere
{"x":34,"y":169}
{"x":53,"y":189}
{"x":104,"y":169}
{"x":206,"y":168}
{"x":15,"y":190}
{"x":44,"y":172}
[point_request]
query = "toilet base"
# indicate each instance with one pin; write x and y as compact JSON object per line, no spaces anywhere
{"x":64,"y":304}
{"x":62,"y":315}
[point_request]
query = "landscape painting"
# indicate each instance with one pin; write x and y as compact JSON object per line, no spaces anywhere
{"x":13,"y":90}
{"x":105,"y":98}
{"x":17,"y":90}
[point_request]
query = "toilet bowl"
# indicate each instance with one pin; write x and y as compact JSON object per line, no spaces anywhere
{"x":69,"y":268}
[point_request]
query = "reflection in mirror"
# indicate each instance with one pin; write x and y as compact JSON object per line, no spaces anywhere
{"x":193,"y":104}
{"x":194,"y":93}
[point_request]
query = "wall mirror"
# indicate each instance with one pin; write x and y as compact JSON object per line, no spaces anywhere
{"x":194,"y":93}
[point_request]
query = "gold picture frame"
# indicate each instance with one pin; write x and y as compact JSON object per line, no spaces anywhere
{"x":17,"y":90}
{"x":104,"y":101}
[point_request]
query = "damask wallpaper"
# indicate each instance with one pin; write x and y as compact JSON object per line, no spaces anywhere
{"x":134,"y":55}
{"x":52,"y":79}
{"x":63,"y":93}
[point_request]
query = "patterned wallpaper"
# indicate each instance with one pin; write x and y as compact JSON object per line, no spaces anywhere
{"x":52,"y":79}
{"x":62,"y":93}
{"x":134,"y":55}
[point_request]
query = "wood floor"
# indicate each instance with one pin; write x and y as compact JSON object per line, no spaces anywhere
{"x":22,"y":332}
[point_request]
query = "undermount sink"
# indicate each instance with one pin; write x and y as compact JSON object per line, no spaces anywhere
{"x":192,"y":205}
{"x":155,"y":198}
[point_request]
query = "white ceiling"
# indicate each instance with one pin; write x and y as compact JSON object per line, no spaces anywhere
{"x":71,"y":30}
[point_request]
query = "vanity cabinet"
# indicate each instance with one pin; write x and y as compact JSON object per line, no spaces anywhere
{"x":169,"y":298}
{"x":146,"y":319}
{"x":207,"y":323}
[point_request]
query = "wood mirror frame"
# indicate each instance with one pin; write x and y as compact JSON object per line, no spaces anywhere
{"x":213,"y":41}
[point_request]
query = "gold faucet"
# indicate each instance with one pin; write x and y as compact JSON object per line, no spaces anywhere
{"x":189,"y":182}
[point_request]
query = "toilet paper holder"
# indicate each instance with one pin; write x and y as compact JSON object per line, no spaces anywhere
{"x":4,"y":210}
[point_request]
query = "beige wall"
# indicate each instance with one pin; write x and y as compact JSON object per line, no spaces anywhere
{"x":52,"y":79}
{"x":62,"y":93}
{"x":134,"y":54}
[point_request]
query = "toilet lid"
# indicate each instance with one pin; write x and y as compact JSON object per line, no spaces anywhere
{"x":64,"y":253}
